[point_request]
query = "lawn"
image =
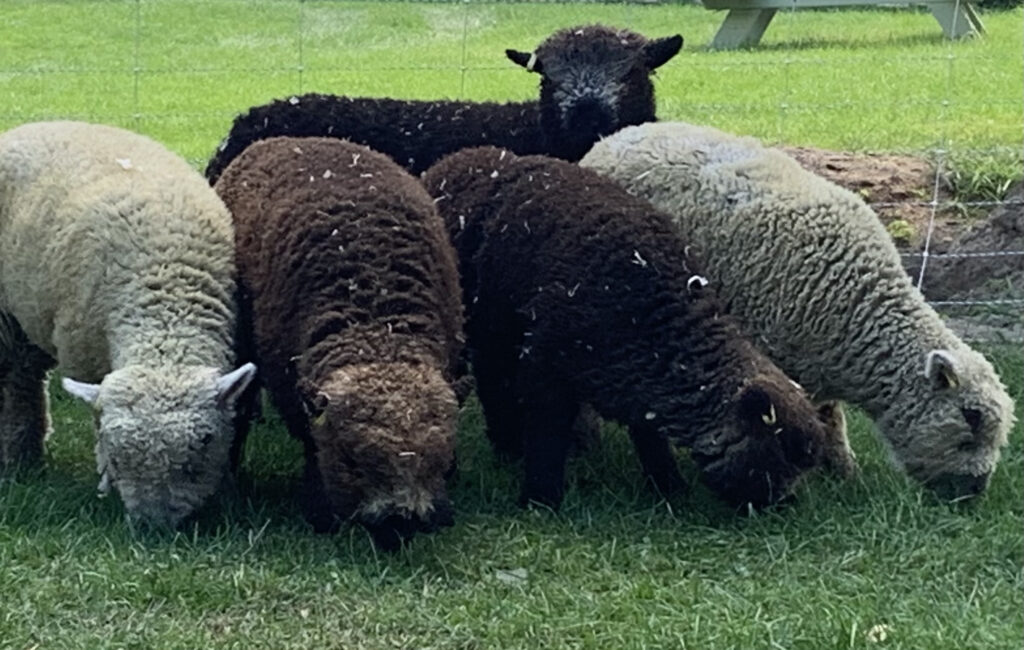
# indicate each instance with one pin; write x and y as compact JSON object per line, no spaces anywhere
{"x":870,"y":563}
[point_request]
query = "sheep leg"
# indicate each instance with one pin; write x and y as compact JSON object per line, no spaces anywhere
{"x":838,"y":456}
{"x":657,"y":459}
{"x":249,"y":405}
{"x":495,"y":373}
{"x":315,"y":505}
{"x":24,"y":406}
{"x":548,"y":414}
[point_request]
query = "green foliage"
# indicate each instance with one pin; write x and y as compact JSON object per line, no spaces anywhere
{"x":1000,"y":4}
{"x":984,"y":175}
{"x":900,"y":230}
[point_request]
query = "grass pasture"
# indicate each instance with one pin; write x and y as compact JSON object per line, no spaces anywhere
{"x":871,"y":563}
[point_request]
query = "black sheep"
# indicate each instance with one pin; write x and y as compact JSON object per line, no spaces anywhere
{"x":577,"y":292}
{"x":594,"y":81}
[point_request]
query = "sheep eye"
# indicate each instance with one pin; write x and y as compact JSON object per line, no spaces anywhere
{"x":207,"y":439}
{"x":973,"y":418}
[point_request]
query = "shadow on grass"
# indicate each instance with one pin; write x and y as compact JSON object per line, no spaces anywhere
{"x":831,"y":43}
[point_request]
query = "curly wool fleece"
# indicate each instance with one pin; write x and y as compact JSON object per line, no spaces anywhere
{"x":116,"y":264}
{"x":810,"y":270}
{"x":594,"y":80}
{"x":356,"y":324}
{"x":577,"y":292}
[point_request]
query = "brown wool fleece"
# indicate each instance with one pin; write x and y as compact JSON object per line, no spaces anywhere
{"x":577,"y":292}
{"x":356,"y":318}
{"x":598,"y":82}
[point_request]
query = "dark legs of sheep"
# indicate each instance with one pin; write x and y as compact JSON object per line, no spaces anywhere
{"x":657,"y":459}
{"x":24,"y":408}
{"x":549,"y":411}
{"x":495,"y":372}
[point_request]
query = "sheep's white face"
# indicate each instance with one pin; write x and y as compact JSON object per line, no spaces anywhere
{"x":164,"y":436}
{"x":952,"y":440}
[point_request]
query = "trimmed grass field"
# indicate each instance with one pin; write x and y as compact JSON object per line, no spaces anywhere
{"x":873,"y":562}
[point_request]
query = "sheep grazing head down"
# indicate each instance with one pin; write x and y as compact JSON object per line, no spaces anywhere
{"x":950,"y":437}
{"x":594,"y":81}
{"x":164,"y":436}
{"x":759,"y":451}
{"x":385,"y":441}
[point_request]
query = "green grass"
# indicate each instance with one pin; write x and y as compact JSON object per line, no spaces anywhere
{"x":617,"y":568}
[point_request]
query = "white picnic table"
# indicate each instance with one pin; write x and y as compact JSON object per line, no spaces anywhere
{"x":747,"y":19}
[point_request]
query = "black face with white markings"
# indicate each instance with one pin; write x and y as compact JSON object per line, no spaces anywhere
{"x":594,"y":81}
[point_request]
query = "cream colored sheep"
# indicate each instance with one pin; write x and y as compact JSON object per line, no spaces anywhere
{"x":117,"y":266}
{"x":811,"y":272}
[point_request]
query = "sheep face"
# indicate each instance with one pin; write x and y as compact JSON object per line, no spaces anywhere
{"x":951,"y":438}
{"x":384,"y":437}
{"x":771,"y":439}
{"x":163,"y":436}
{"x":594,"y":81}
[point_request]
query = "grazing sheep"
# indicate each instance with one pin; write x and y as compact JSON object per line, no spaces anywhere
{"x":594,"y":81}
{"x":809,"y":269}
{"x":356,"y":315}
{"x":577,"y":292}
{"x":116,"y":265}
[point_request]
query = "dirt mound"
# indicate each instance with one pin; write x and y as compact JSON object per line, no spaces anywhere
{"x":897,"y":187}
{"x":968,"y":274}
{"x":960,"y":270}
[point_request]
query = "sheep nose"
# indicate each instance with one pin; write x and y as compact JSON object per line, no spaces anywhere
{"x":954,"y":487}
{"x":591,"y":115}
{"x":440,"y":516}
{"x":390,"y":532}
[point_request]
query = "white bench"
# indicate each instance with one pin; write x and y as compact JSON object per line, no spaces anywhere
{"x":747,"y":19}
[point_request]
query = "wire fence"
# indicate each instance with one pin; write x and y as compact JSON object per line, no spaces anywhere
{"x":179,"y":70}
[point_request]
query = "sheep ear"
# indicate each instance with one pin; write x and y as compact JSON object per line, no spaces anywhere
{"x":755,"y":406}
{"x":87,"y":392}
{"x":528,"y":60}
{"x":233,"y":384}
{"x":659,"y":51}
{"x":940,"y":370}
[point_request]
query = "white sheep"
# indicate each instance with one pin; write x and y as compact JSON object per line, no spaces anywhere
{"x":811,"y":272}
{"x":117,"y":266}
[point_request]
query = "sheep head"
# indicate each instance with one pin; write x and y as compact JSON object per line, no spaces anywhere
{"x":164,"y":436}
{"x":949,"y":431}
{"x":594,"y":81}
{"x":759,"y":451}
{"x":385,"y":439}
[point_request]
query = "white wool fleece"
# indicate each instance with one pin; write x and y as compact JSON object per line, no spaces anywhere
{"x":811,"y":272}
{"x":117,"y":259}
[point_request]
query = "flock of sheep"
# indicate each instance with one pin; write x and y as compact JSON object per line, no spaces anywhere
{"x":694,"y":286}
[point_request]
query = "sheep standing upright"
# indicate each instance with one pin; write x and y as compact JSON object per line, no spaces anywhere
{"x":356,"y":323}
{"x":577,"y":292}
{"x":116,"y":265}
{"x":810,"y":270}
{"x":594,"y":81}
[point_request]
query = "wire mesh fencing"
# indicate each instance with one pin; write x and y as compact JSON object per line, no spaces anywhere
{"x":879,"y":81}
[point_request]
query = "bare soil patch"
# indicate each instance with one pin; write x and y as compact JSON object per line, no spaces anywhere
{"x":901,"y":188}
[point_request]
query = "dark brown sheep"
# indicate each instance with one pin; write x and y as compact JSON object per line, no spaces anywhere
{"x":352,"y":290}
{"x":594,"y":81}
{"x":577,"y":292}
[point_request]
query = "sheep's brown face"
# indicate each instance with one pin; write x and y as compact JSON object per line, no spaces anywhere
{"x":594,"y":81}
{"x":769,"y":441}
{"x":384,"y":435}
